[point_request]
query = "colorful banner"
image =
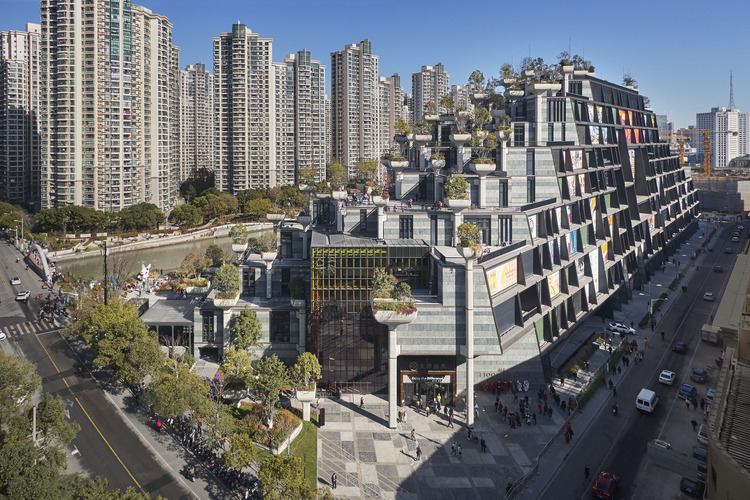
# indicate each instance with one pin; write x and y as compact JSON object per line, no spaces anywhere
{"x":571,"y":185}
{"x":532,"y":225}
{"x":569,"y":209}
{"x":582,"y":183}
{"x":558,"y":214}
{"x":554,"y":284}
{"x":576,"y":158}
{"x":611,"y":221}
{"x":592,"y":202}
{"x":605,"y":135}
{"x":630,"y":118}
{"x":503,"y":276}
{"x":638,"y":135}
{"x":551,"y":246}
{"x":623,"y":116}
{"x":631,"y":154}
{"x":628,"y":135}
{"x":572,"y":242}
{"x":605,"y":251}
{"x":594,"y":263}
{"x":651,"y":222}
{"x":592,"y":116}
{"x":594,"y":134}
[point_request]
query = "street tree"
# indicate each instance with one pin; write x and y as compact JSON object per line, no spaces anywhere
{"x":284,"y":477}
{"x":367,"y":170}
{"x":186,"y":216}
{"x":141,"y":217}
{"x":271,"y":375}
{"x":176,"y":393}
{"x":110,"y":330}
{"x":227,"y":279}
{"x":258,"y":207}
{"x":247,"y":329}
{"x":242,"y":451}
{"x":18,"y":382}
{"x":141,"y":358}
{"x":51,"y":423}
{"x":194,"y":265}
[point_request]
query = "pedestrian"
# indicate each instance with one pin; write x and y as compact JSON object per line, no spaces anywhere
{"x":445,"y":410}
{"x":614,"y":391}
{"x":405,"y":416}
{"x":611,"y":385}
{"x":453,"y":449}
{"x":703,"y":404}
{"x":333,"y":480}
{"x":460,"y":451}
{"x":645,"y":340}
{"x":694,"y":403}
{"x":662,"y":335}
{"x":586,"y":471}
{"x":497,"y":404}
{"x":619,"y":370}
{"x":562,"y":379}
{"x":362,"y":402}
{"x":413,"y":434}
{"x":533,"y":417}
{"x":695,"y":424}
{"x":419,"y":453}
{"x":450,"y":421}
{"x":569,"y":427}
{"x":687,"y":404}
{"x":567,"y":437}
{"x":604,"y":381}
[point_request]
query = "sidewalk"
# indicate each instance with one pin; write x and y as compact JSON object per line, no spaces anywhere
{"x":550,"y":459}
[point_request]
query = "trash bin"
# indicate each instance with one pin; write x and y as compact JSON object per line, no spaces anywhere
{"x":322,"y":417}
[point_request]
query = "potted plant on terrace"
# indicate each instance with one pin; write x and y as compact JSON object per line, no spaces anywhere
{"x":430,"y":112}
{"x":402,"y":130}
{"x":238,"y":233}
{"x":391,"y":300}
{"x":437,"y":161}
{"x":227,"y":283}
{"x":469,"y":236}
{"x":455,"y":188}
{"x":479,"y":92}
{"x":422,"y":132}
{"x":447,"y":104}
{"x":482,"y":143}
{"x":266,"y":246}
{"x":380,"y":197}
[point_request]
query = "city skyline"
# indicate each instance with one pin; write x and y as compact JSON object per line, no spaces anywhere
{"x":406,"y":37}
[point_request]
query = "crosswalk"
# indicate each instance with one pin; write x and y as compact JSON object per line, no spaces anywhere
{"x":33,"y":327}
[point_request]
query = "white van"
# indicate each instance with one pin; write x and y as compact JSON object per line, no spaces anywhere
{"x":646,"y":401}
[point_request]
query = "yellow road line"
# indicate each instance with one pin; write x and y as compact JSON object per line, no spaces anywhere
{"x":90,"y":420}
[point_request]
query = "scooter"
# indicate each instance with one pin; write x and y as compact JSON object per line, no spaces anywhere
{"x":614,"y":409}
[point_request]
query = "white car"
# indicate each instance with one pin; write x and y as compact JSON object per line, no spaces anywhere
{"x":23,"y":296}
{"x":734,"y":238}
{"x":15,"y":280}
{"x":667,"y":377}
{"x":620,"y":328}
{"x":3,"y":336}
{"x":740,"y":227}
{"x":709,"y":296}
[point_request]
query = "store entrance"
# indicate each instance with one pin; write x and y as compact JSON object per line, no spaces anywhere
{"x":421,"y":390}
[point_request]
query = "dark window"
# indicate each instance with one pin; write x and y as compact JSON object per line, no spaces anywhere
{"x":248,"y":287}
{"x":518,"y":134}
{"x":286,"y":245}
{"x":363,"y":221}
{"x":286,"y":277}
{"x":279,"y":326}
{"x":483,"y":223}
{"x":550,"y":132}
{"x":530,"y":170}
{"x":209,"y":335}
{"x":503,"y":193}
{"x":530,"y":190}
{"x":406,"y":227}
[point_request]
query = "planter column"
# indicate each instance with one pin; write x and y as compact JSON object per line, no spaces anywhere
{"x":420,"y":143}
{"x":398,"y":168}
{"x":457,"y":206}
{"x":468,"y":254}
{"x":305,"y":221}
{"x":305,"y":398}
{"x":340,"y":196}
{"x":268,"y":258}
{"x":380,"y":202}
{"x":392,"y":320}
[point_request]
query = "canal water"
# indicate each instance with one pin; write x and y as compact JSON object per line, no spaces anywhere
{"x":167,"y":257}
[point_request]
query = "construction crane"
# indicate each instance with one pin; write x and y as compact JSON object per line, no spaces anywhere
{"x":685,"y":135}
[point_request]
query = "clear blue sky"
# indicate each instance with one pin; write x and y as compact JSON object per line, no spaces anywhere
{"x":679,"y":52}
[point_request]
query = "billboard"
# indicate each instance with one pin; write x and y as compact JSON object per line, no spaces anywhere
{"x":502,"y":277}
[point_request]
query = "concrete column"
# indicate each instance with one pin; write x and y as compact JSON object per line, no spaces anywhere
{"x":501,"y":157}
{"x":457,"y":221}
{"x":340,"y":217}
{"x":269,"y":280}
{"x":538,"y":120}
{"x":482,"y":191}
{"x":463,"y":156}
{"x":393,"y":351}
{"x":469,"y":282}
{"x":381,"y":222}
{"x":397,"y":184}
{"x":302,"y":330}
{"x":305,"y":250}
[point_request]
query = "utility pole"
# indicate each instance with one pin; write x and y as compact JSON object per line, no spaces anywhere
{"x":106,"y":277}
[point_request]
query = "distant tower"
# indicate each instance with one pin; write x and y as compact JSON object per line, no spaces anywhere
{"x":731,"y":92}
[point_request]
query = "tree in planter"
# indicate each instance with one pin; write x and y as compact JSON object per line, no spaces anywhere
{"x":469,"y":235}
{"x":307,"y":175}
{"x":628,"y":80}
{"x":482,"y":144}
{"x":306,"y":371}
{"x":386,"y":286}
{"x":447,"y":104}
{"x":241,"y":453}
{"x":265,"y":242}
{"x":283,"y":477}
{"x":481,"y":118}
{"x":430,"y":108}
{"x":238,"y":233}
{"x":367,"y":170}
{"x":336,"y":175}
{"x":455,"y":188}
{"x":227,"y":281}
{"x":422,"y":128}
{"x":175,"y":393}
{"x":271,"y":375}
{"x":507,"y":72}
{"x":476,"y":79}
{"x":215,"y":254}
{"x":436,"y":157}
{"x":247,"y":329}
{"x":237,"y":367}
{"x":402,"y":128}
{"x":194,"y":265}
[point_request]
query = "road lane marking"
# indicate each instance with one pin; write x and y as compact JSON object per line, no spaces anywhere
{"x":89,"y":417}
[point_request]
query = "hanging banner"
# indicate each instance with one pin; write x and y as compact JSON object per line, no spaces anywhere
{"x":502,"y":277}
{"x":576,"y":158}
{"x":532,"y":225}
{"x":569,"y":209}
{"x":571,"y":185}
{"x":605,"y":251}
{"x":554,"y":284}
{"x":594,"y":263}
{"x":551,"y":246}
{"x":623,"y":116}
{"x":572,"y":242}
{"x":592,"y":116}
{"x":594,"y":129}
{"x":611,"y":221}
{"x":558,"y":214}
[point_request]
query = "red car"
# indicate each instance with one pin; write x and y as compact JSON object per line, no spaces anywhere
{"x":606,"y":485}
{"x":680,"y":347}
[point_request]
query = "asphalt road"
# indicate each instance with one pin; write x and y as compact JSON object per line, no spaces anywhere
{"x":105,"y":445}
{"x":618,"y":443}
